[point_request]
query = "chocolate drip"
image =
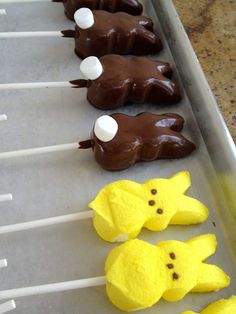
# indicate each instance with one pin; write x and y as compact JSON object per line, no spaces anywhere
{"x":144,"y":137}
{"x":68,"y":33}
{"x":79,"y":83}
{"x":118,"y":33}
{"x":136,"y":80}
{"x":132,"y":7}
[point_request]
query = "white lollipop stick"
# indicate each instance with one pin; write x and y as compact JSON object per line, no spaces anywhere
{"x":3,"y":263}
{"x":30,"y":34}
{"x":3,"y":12}
{"x":39,"y":150}
{"x":7,"y":306}
{"x":34,"y":85}
{"x":52,"y":288}
{"x":46,"y":222}
{"x":5,"y":197}
{"x":3,"y":117}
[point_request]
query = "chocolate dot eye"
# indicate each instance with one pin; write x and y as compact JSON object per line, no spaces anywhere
{"x":175,"y":276}
{"x":151,"y":203}
{"x":172,"y":255}
{"x":170,"y":266}
{"x":154,"y":191}
{"x":160,"y":211}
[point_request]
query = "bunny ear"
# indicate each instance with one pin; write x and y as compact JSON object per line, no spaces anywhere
{"x":203,"y":246}
{"x":182,"y":181}
{"x":210,"y":278}
{"x":189,"y":211}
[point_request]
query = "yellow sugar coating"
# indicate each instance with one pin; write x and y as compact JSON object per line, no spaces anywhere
{"x":123,"y":208}
{"x":223,"y":306}
{"x":138,"y":273}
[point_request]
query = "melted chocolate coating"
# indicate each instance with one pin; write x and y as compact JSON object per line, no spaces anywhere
{"x":132,"y":7}
{"x":118,"y":33}
{"x":136,"y":80}
{"x":144,"y":137}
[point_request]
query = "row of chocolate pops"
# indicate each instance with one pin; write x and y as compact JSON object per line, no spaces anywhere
{"x":112,"y":81}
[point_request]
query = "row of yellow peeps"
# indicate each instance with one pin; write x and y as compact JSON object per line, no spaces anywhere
{"x":138,"y":274}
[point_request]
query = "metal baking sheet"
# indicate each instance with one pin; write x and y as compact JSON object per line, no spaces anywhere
{"x":61,"y":183}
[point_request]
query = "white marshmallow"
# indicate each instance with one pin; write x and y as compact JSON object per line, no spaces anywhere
{"x":105,"y":128}
{"x":84,"y":18}
{"x":91,"y":68}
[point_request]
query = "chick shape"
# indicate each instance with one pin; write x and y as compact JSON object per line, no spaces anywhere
{"x":123,"y":208}
{"x":223,"y":306}
{"x":138,"y":274}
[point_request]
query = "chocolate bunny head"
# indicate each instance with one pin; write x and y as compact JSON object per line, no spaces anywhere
{"x":123,"y":140}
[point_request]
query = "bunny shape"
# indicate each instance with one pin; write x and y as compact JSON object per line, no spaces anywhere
{"x":119,"y":33}
{"x":223,"y":306}
{"x":138,"y":274}
{"x":133,"y":7}
{"x":145,"y":137}
{"x":123,"y":208}
{"x":136,"y":80}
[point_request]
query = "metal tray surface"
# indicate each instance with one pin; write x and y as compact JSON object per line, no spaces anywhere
{"x":61,"y":183}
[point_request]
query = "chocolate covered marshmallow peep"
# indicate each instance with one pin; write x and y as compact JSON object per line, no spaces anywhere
{"x":120,"y":140}
{"x":117,"y":80}
{"x":223,"y":306}
{"x":123,"y":208}
{"x":133,"y":7}
{"x":99,"y":33}
{"x":139,"y":274}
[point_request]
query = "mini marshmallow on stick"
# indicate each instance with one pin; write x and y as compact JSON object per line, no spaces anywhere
{"x":71,"y":6}
{"x":121,"y":209}
{"x":113,"y":80}
{"x":119,"y":140}
{"x":99,"y":33}
{"x":139,"y":274}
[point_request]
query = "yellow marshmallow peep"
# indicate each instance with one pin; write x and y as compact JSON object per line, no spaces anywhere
{"x":123,"y":208}
{"x":223,"y":306}
{"x":138,"y":274}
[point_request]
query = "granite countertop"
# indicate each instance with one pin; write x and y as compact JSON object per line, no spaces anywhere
{"x":210,"y":25}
